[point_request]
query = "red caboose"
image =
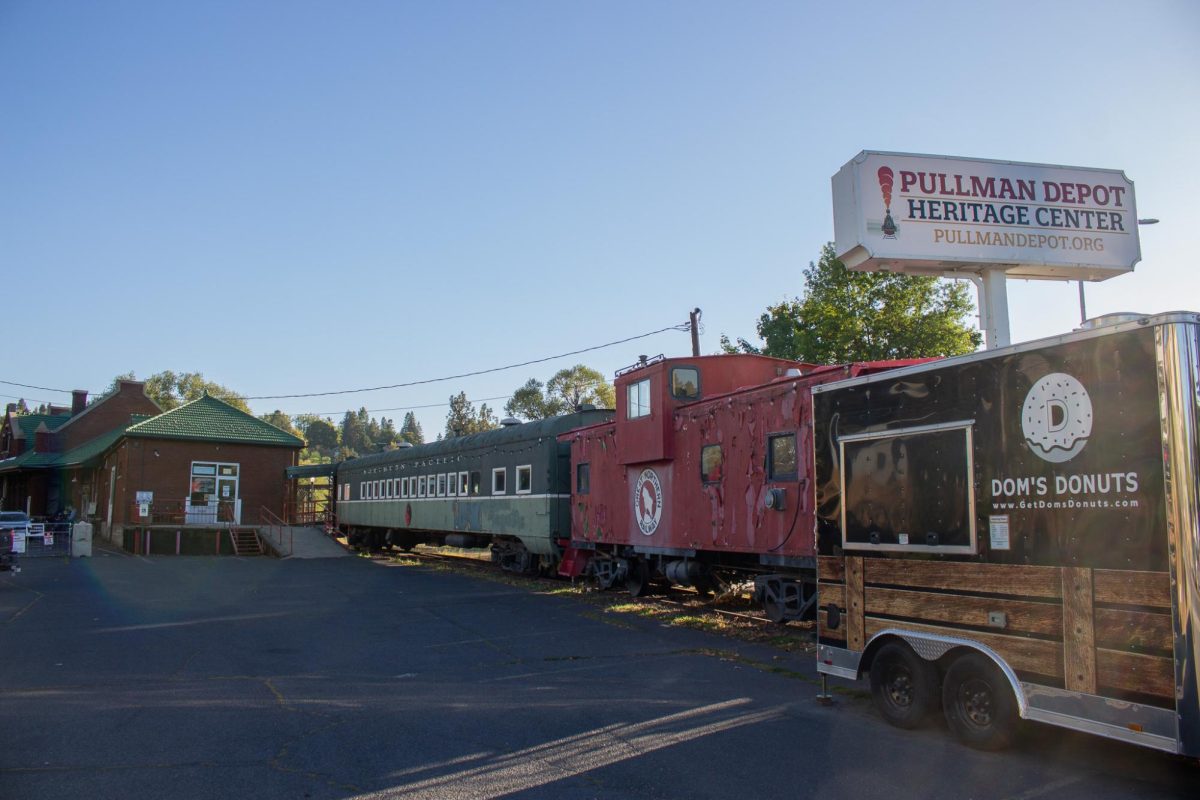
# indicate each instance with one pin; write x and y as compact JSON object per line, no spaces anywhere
{"x":704,"y":477}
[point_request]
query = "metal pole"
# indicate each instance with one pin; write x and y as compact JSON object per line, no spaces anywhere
{"x":695,"y":318}
{"x":1082,"y":305}
{"x":993,"y":297}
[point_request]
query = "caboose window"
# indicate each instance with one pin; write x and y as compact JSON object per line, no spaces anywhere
{"x":525,"y":479}
{"x":583,"y":478}
{"x":685,"y":383}
{"x":498,"y":475}
{"x":712,"y":463}
{"x":781,"y":457}
{"x":638,"y":399}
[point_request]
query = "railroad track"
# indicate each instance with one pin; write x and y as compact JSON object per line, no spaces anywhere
{"x":671,"y":598}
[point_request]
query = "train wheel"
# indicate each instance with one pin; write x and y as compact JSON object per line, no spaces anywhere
{"x":903,"y":685}
{"x":979,"y":703}
{"x":638,"y":579}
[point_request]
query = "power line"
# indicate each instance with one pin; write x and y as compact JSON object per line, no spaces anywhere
{"x":43,"y":388}
{"x":682,"y":327}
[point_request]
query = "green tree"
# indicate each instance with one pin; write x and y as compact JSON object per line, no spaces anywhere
{"x":865,"y":316}
{"x":280,"y":420}
{"x":565,"y":392}
{"x":173,"y":389}
{"x":463,"y":419}
{"x":530,"y":402}
{"x":410,"y":430}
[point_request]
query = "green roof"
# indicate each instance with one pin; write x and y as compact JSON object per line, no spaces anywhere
{"x":29,"y":423}
{"x":214,"y":420}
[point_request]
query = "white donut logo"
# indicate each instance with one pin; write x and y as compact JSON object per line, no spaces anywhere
{"x":647,"y":501}
{"x":1057,"y":417}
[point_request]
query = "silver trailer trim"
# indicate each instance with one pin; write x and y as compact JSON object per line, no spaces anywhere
{"x":1103,"y":716}
{"x":1178,"y":352}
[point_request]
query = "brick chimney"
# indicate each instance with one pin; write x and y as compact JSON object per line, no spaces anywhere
{"x":10,"y":408}
{"x":43,"y":439}
{"x":78,"y":401}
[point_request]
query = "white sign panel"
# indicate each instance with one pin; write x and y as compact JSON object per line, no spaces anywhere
{"x":929,"y":214}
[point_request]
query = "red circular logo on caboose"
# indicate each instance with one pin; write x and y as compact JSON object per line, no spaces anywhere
{"x":647,"y":501}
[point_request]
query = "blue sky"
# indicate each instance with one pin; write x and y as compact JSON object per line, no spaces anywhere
{"x":301,"y":197}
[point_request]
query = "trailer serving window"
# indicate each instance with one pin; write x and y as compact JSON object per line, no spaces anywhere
{"x":909,"y":489}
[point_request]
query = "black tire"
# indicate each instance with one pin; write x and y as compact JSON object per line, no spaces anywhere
{"x":979,"y":704}
{"x":637,"y":581}
{"x":903,"y":685}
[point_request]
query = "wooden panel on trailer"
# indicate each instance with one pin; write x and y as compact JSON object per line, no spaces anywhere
{"x":855,"y":631}
{"x":1021,"y":616}
{"x":1022,"y":654}
{"x":1134,"y":672}
{"x":831,"y":568}
{"x":831,"y":594}
{"x":1133,"y":587}
{"x":1006,"y":579}
{"x":1079,"y":636}
{"x":1118,"y":629}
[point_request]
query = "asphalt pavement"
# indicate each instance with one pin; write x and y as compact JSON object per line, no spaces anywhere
{"x":173,"y":677}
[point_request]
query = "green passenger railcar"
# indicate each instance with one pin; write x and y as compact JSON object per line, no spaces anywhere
{"x":510,"y":488}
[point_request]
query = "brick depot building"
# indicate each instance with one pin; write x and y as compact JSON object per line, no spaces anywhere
{"x":122,"y":462}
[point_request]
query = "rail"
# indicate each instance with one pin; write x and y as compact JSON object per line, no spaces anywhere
{"x":276,"y":530}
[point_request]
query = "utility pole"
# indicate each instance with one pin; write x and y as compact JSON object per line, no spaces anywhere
{"x":695,"y":318}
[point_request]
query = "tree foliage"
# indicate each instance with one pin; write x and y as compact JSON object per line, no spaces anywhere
{"x":173,"y":389}
{"x":865,"y":316}
{"x":280,"y":420}
{"x":566,"y":391}
{"x":463,"y":419}
{"x":410,"y":430}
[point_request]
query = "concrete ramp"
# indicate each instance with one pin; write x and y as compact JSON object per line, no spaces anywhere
{"x":312,"y":542}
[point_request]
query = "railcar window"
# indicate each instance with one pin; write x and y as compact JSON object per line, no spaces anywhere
{"x":685,"y":383}
{"x":583,"y":478}
{"x":781,"y":457}
{"x":395,"y":488}
{"x":441,"y":480}
{"x":362,"y":491}
{"x":525,"y":479}
{"x":712,"y":463}
{"x":462,"y":484}
{"x":638,"y":396}
{"x":404,"y":488}
{"x":476,"y":483}
{"x":412,"y":486}
{"x":498,"y":475}
{"x":421,"y":486}
{"x":451,"y":485}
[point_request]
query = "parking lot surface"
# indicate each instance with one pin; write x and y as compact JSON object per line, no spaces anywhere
{"x":131,"y":677}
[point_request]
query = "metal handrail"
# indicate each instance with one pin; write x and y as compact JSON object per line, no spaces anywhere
{"x":275,"y":528}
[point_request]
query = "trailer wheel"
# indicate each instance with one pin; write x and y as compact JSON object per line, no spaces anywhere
{"x":903,"y":685}
{"x":979,"y":703}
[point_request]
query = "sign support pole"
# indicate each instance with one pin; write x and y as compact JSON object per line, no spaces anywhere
{"x":993,"y":308}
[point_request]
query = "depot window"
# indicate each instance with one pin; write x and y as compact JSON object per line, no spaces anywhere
{"x":498,"y":476}
{"x":712,"y":463}
{"x":781,"y":457}
{"x":583,"y":478}
{"x":525,"y":479}
{"x":638,"y":398}
{"x":685,"y":383}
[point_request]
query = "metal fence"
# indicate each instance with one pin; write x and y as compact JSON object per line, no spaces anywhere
{"x":47,"y":539}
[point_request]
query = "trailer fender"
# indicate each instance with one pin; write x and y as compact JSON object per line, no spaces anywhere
{"x":932,"y":646}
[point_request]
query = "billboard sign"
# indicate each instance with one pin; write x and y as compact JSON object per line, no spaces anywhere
{"x":931,"y":214}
